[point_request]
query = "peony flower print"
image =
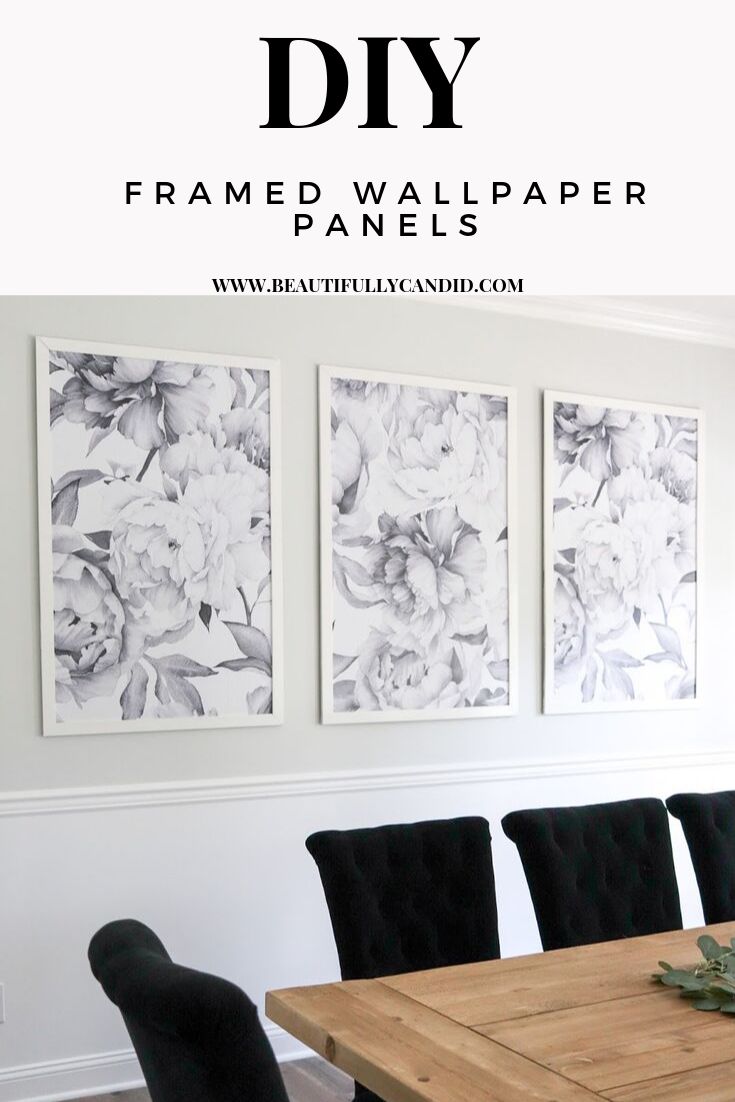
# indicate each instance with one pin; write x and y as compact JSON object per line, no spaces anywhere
{"x":148,"y":401}
{"x":416,"y":483}
{"x":622,"y":557}
{"x":606,"y":572}
{"x":89,"y":619}
{"x":676,"y":471}
{"x":571,"y":633}
{"x":156,"y":554}
{"x":161,"y":528}
{"x":357,"y":439}
{"x":389,"y":677}
{"x":429,"y":571}
{"x":445,"y":447}
{"x":602,"y":441}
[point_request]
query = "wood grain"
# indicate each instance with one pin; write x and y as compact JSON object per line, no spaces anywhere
{"x":564,"y":1026}
{"x":406,"y":1052}
{"x":622,"y":1041}
{"x":715,"y":1083}
{"x":516,"y":987}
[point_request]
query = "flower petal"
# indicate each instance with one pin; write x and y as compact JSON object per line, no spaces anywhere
{"x":595,"y":459}
{"x":185,"y":408}
{"x":588,"y":416}
{"x":140,"y":423}
{"x":422,"y":578}
{"x":133,"y":371}
{"x":442,"y":526}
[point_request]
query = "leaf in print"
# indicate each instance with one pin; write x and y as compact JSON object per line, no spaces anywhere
{"x":57,"y":402}
{"x":65,"y":504}
{"x":251,"y":641}
{"x":344,"y":696}
{"x":342,"y":662}
{"x":616,"y":678}
{"x":668,"y":639}
{"x":340,"y":575}
{"x":236,"y":665}
{"x":173,"y":685}
{"x":500,"y":670}
{"x":80,"y":477}
{"x":100,"y":539}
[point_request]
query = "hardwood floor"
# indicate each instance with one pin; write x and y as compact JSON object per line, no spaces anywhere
{"x":119,"y":1096}
{"x":316,"y":1081}
{"x":306,"y":1081}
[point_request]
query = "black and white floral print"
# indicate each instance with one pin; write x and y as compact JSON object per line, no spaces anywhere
{"x":419,"y":551}
{"x":160,"y":510}
{"x":624,"y":555}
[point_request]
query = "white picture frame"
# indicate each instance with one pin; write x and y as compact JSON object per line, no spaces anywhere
{"x":330,"y":714}
{"x":553,"y":704}
{"x":87,"y":723}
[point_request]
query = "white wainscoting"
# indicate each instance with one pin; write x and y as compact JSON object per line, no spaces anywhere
{"x":231,"y":889}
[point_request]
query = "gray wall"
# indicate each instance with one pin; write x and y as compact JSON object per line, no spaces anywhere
{"x":379,"y":333}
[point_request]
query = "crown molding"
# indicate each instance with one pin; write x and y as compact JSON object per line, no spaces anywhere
{"x":282,"y":786}
{"x":623,"y":314}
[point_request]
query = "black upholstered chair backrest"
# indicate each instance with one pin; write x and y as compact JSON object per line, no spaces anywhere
{"x":408,"y":897}
{"x":198,"y":1037}
{"x":709,"y":828}
{"x":599,"y":872}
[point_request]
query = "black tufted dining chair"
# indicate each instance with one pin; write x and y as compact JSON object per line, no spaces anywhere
{"x":599,"y":872}
{"x":708,"y":821}
{"x":197,"y":1037}
{"x":408,"y":897}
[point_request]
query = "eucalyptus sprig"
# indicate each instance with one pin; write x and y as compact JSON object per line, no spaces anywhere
{"x":710,"y":984}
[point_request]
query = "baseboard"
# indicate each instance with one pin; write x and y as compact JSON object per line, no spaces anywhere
{"x":77,"y":1077}
{"x":280,"y":786}
{"x":286,"y":1047}
{"x":85,"y":1076}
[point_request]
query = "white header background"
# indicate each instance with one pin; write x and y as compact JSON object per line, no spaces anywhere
{"x":97,"y":94}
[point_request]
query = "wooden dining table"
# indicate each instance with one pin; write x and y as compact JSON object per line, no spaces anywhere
{"x":565,"y":1026}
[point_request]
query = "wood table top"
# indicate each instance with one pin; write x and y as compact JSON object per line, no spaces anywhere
{"x":566,"y":1026}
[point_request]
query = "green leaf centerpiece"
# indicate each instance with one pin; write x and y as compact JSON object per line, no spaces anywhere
{"x":710,"y":984}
